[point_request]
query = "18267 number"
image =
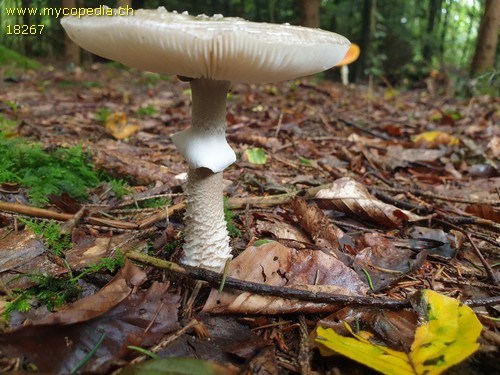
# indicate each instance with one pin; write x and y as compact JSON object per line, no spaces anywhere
{"x":24,"y":29}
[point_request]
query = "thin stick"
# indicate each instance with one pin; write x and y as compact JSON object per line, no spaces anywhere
{"x":34,"y":211}
{"x":215,"y":279}
{"x":487,"y":267}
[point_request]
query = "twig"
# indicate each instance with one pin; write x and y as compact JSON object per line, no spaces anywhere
{"x":365,"y":130}
{"x":487,"y":267}
{"x":215,"y":279}
{"x":34,"y":211}
{"x":446,"y":198}
{"x":304,"y":356}
{"x":165,"y":342}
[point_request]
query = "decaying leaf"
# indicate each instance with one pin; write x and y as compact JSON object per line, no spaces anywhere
{"x":347,"y":195}
{"x":23,"y":253}
{"x":119,"y":126}
{"x":114,"y":315}
{"x":434,"y":241}
{"x":382,"y":262}
{"x":394,"y":328}
{"x":435,"y":138}
{"x":269,"y":224}
{"x":484,"y":211}
{"x":315,"y":222}
{"x":230,"y":342}
{"x":448,"y":335}
{"x":275,"y":264}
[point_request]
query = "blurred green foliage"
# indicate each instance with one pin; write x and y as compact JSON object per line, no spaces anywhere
{"x":408,"y":38}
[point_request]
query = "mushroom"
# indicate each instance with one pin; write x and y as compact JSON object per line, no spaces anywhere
{"x":211,"y":52}
{"x":351,"y":56}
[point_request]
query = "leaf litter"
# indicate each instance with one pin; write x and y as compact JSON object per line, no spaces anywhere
{"x":396,"y":196}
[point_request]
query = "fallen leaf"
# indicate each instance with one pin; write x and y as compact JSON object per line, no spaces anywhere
{"x":118,"y":125}
{"x":275,"y":264}
{"x":435,"y":138}
{"x":229,"y":341}
{"x":484,"y":211}
{"x":448,"y":335}
{"x":114,"y":316}
{"x":23,"y":253}
{"x":315,"y":222}
{"x":256,"y":155}
{"x":269,"y":224}
{"x":380,"y":263}
{"x":395,"y":328}
{"x":351,"y":197}
{"x":434,"y":241}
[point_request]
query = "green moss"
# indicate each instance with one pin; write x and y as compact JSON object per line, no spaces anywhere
{"x":147,"y":111}
{"x":120,"y":188}
{"x":103,"y":113}
{"x":55,"y":292}
{"x":156,"y":203}
{"x":229,"y":216}
{"x":85,"y":84}
{"x":45,"y":172}
{"x":51,"y":234}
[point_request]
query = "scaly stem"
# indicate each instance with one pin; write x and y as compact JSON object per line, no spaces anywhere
{"x":206,"y":241}
{"x":205,"y":149}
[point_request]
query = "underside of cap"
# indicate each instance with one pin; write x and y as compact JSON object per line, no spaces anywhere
{"x":208,"y":47}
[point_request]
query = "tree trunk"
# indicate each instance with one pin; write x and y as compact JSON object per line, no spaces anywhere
{"x":27,"y":42}
{"x":433,"y":18}
{"x":123,"y":3}
{"x":367,"y":30}
{"x":444,"y":30}
{"x":71,"y":50}
{"x":310,"y":13}
{"x":487,"y":40}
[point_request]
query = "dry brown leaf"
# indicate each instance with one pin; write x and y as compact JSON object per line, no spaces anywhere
{"x":383,"y":262}
{"x":396,"y":328}
{"x":351,"y":197}
{"x":23,"y":253}
{"x":269,"y":224}
{"x":315,"y":222}
{"x":484,"y":211}
{"x":275,"y":264}
{"x":17,"y":248}
{"x":109,"y":296}
{"x":114,"y":315}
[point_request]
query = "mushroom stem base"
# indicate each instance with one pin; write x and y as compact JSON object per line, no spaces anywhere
{"x":206,"y":241}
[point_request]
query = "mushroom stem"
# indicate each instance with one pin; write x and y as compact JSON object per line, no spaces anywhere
{"x":344,"y":73}
{"x":206,"y":241}
{"x":204,"y":143}
{"x":204,"y":146}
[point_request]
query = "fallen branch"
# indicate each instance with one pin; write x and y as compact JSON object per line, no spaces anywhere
{"x":215,"y":279}
{"x":34,"y":211}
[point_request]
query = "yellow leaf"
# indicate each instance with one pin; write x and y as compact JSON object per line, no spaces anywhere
{"x":119,"y":127}
{"x":448,"y":337}
{"x":436,"y":138}
{"x":380,"y":358}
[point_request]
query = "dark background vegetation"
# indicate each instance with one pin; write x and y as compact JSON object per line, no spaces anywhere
{"x":403,"y":42}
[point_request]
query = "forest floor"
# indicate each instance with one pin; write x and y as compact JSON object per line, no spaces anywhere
{"x":375,"y":194}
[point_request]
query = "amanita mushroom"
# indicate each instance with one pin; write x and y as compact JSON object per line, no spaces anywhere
{"x":351,"y":56}
{"x":211,"y":52}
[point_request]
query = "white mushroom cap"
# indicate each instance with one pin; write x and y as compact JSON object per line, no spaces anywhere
{"x":215,"y":47}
